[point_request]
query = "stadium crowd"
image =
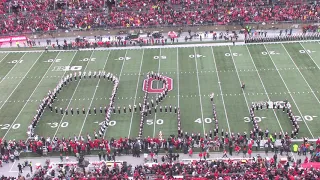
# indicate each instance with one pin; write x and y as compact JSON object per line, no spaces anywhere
{"x":31,"y":16}
{"x":170,"y":166}
{"x":254,"y":168}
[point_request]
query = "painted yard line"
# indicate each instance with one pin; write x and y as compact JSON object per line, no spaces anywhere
{"x":244,"y":94}
{"x":25,"y":104}
{"x":125,"y":56}
{"x":199,"y":89}
{"x":265,"y":90}
{"x":20,"y":80}
{"x":155,"y":114}
{"x":13,"y":164}
{"x":4,"y":57}
{"x":135,"y":96}
{"x":14,"y":67}
{"x":312,"y":91}
{"x":95,"y":91}
{"x":224,"y":106}
{"x":74,"y":92}
{"x":178,"y":76}
{"x":290,"y":93}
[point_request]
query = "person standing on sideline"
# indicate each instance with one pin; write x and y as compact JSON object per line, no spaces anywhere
{"x":30,"y":165}
{"x":99,"y":154}
{"x":225,"y":154}
{"x":20,"y":168}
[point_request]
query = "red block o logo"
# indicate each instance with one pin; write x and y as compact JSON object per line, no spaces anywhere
{"x":150,"y":89}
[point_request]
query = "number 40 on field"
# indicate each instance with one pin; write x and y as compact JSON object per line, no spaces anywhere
{"x":206,"y":120}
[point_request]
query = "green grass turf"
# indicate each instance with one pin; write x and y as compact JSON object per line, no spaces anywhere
{"x":272,"y":72}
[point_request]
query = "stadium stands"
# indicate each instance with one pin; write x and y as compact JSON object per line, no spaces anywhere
{"x":170,"y":166}
{"x":31,"y":16}
{"x":241,"y":168}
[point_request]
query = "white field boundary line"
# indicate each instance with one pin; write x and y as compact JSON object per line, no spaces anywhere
{"x":167,"y":46}
{"x":301,"y":72}
{"x":265,"y":90}
{"x":244,"y":94}
{"x":289,"y":93}
{"x":13,"y":164}
{"x":219,"y":82}
{"x":4,"y":57}
{"x":199,"y":89}
{"x":74,"y":92}
{"x":135,"y":96}
{"x":14,"y":67}
{"x":155,"y":114}
{"x":94,"y":93}
{"x":14,"y":121}
{"x":20,"y":80}
{"x":124,"y":60}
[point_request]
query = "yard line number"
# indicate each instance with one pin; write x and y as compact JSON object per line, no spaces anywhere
{"x":269,"y":53}
{"x":53,"y":60}
{"x":306,"y":51}
{"x":306,"y":117}
{"x":15,"y":62}
{"x":6,"y":126}
{"x":232,"y":54}
{"x":123,"y":59}
{"x":257,"y":118}
{"x":56,"y":124}
{"x":151,"y":121}
{"x":87,"y":59}
{"x":206,"y":120}
{"x":111,"y":123}
{"x":196,"y":55}
{"x":159,"y":57}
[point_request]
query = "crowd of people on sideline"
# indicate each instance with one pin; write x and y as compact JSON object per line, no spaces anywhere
{"x":296,"y":37}
{"x":32,"y":16}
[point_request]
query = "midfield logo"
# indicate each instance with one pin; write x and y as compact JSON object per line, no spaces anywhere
{"x":147,"y":85}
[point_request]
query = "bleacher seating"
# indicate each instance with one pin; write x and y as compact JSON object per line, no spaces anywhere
{"x":31,"y":16}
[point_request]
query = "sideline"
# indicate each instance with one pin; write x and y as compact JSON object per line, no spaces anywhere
{"x":168,"y":46}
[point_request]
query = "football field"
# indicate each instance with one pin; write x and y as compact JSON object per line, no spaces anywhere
{"x":271,"y":72}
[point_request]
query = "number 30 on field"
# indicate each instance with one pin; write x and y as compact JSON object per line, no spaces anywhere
{"x":158,"y":121}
